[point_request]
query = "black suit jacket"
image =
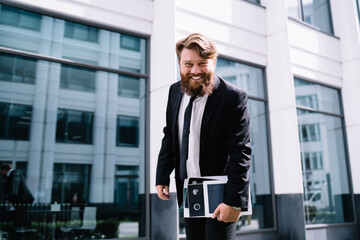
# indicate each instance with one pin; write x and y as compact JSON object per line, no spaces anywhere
{"x":224,"y":141}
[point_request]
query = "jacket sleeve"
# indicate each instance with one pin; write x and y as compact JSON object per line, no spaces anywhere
{"x":239,"y":148}
{"x":166,"y":161}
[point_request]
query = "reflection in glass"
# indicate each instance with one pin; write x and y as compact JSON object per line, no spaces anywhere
{"x":15,"y":120}
{"x":323,"y":157}
{"x":81,"y":32}
{"x":71,"y":183}
{"x":293,"y":8}
{"x":317,"y":97}
{"x":17,"y":69}
{"x":19,"y":18}
{"x":77,"y":78}
{"x":247,"y":77}
{"x":94,"y":186}
{"x":127,"y":131}
{"x":74,"y":126}
{"x":317,"y":13}
{"x":93,"y":46}
{"x":129,"y":86}
{"x":314,"y":12}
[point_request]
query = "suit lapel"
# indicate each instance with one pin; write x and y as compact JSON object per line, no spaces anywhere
{"x":177,"y":100}
{"x":209,"y":109}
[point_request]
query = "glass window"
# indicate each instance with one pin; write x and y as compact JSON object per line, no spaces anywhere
{"x":77,"y":78}
{"x":98,"y":194}
{"x":129,"y":86}
{"x":250,"y":78}
{"x":127,"y":134}
{"x":130,"y":43}
{"x":71,"y":183}
{"x":81,"y":32}
{"x":74,"y":126}
{"x":92,"y":47}
{"x":19,"y":18}
{"x":17,"y":69}
{"x":314,"y":12}
{"x":327,"y":197}
{"x":15,"y":120}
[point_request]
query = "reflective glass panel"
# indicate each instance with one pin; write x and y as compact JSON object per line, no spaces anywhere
{"x":74,"y":126}
{"x":293,"y":8}
{"x":327,"y":197}
{"x":317,"y":97}
{"x":17,"y":69}
{"x":15,"y":120}
{"x":84,"y":166}
{"x":248,"y":78}
{"x":127,"y":131}
{"x":317,"y":13}
{"x":314,"y":12}
{"x":77,"y":78}
{"x":69,"y":40}
{"x":129,"y":86}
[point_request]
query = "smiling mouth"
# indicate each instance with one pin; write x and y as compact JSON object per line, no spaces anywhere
{"x":196,"y":78}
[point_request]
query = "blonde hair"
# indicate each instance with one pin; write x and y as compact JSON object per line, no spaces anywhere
{"x":198,"y":42}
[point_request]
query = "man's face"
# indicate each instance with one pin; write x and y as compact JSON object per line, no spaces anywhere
{"x":197,"y":73}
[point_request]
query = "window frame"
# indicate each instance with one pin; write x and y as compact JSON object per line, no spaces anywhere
{"x":302,"y":20}
{"x":346,"y":152}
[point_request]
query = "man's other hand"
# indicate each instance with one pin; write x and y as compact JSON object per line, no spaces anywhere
{"x":163,"y":192}
{"x":226,"y":213}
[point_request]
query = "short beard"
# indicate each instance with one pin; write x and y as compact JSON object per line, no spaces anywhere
{"x":206,"y":87}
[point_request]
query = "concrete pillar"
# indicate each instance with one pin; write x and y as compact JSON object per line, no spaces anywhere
{"x":283,"y":124}
{"x":37,"y":127}
{"x":97,"y":170}
{"x":110,"y":140}
{"x":48,"y":154}
{"x":47,"y":164}
{"x":38,"y":116}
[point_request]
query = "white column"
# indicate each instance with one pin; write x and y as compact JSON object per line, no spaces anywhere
{"x":97,"y":170}
{"x":47,"y":164}
{"x":282,"y":105}
{"x":37,"y":127}
{"x":110,"y":139}
{"x":346,"y":25}
{"x":163,"y":52}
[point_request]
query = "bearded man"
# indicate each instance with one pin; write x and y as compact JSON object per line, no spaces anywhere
{"x":207,"y":133}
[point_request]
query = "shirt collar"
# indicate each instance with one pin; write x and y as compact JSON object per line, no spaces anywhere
{"x":8,"y":174}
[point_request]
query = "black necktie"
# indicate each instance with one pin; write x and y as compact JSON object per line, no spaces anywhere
{"x":185,"y":139}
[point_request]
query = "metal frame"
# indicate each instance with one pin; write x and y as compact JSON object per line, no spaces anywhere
{"x":347,"y":160}
{"x":146,"y":76}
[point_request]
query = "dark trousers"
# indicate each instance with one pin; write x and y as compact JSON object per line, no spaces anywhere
{"x":209,"y":229}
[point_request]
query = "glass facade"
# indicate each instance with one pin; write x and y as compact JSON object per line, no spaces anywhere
{"x":74,"y":129}
{"x":327,"y":195}
{"x":314,"y":12}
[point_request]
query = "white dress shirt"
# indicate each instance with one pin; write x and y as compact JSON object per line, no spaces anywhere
{"x":192,"y":163}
